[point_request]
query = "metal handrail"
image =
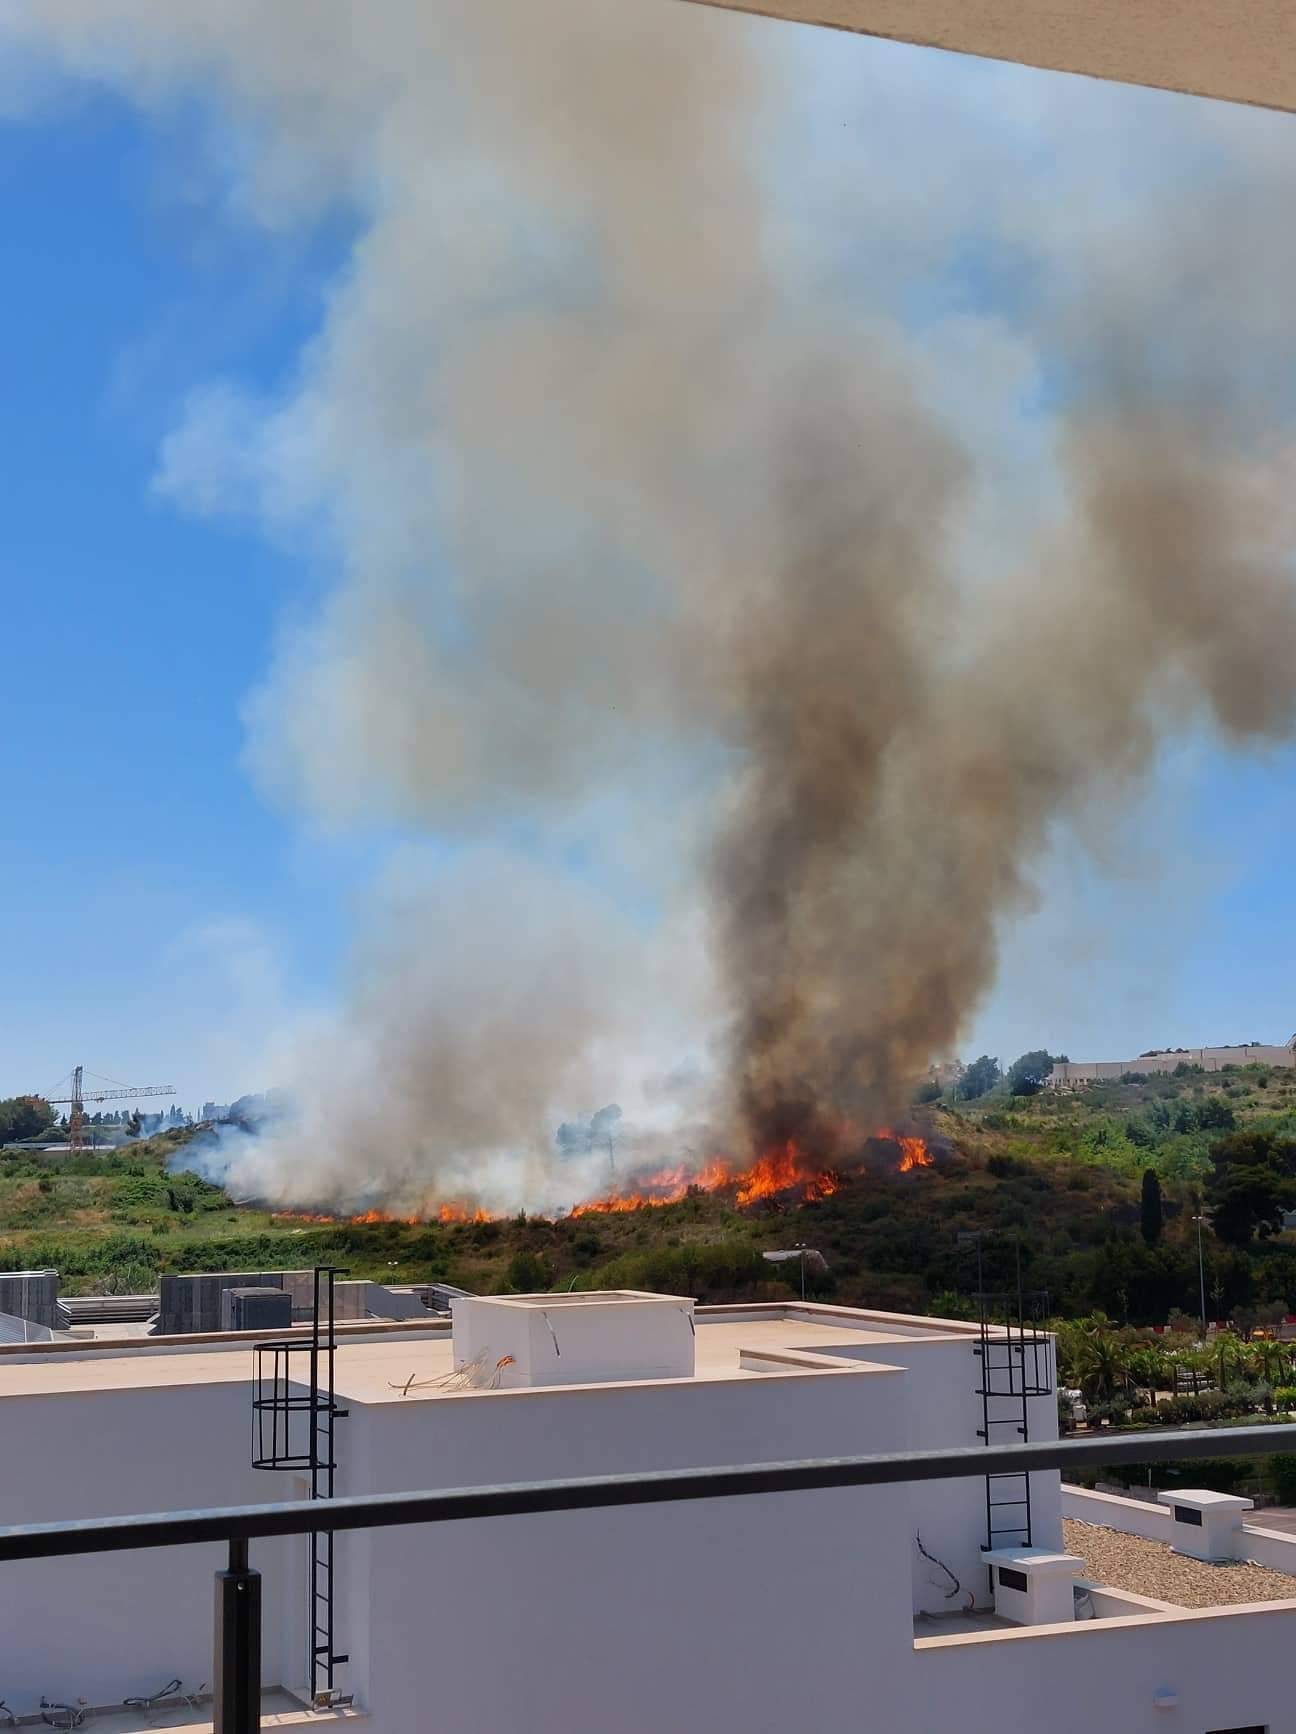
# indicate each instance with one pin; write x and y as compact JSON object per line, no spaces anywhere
{"x":237,"y":1675}
{"x":382,"y":1510}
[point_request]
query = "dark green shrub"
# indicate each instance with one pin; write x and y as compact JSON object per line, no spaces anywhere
{"x":1280,"y":1477}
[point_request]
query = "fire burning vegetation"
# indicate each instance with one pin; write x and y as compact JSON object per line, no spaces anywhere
{"x":785,"y":1175}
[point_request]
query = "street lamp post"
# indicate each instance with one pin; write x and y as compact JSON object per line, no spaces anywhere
{"x":974,"y":1237}
{"x":802,"y":1252}
{"x":1201,"y":1271}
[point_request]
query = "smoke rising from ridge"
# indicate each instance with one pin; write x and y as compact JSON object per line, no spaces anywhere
{"x":668,"y":531}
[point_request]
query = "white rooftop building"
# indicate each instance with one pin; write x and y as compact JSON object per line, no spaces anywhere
{"x":877,"y":1608}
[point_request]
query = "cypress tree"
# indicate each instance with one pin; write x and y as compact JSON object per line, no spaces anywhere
{"x":1152,"y":1219}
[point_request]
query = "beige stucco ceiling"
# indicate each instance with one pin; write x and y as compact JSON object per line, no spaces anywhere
{"x":1242,"y":50}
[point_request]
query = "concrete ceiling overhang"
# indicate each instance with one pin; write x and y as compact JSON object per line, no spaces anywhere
{"x":1239,"y":50}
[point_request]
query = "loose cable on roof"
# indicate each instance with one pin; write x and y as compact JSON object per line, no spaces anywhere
{"x":940,"y":1563}
{"x":476,"y":1374}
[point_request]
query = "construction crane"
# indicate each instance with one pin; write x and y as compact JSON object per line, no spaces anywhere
{"x":75,"y":1103}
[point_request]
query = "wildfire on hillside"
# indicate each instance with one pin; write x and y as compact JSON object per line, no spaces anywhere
{"x":784,"y":1174}
{"x":462,"y":1213}
{"x":915,"y":1152}
{"x":445,"y":1212}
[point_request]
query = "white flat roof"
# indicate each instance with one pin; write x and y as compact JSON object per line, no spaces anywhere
{"x":382,"y":1373}
{"x":372,"y":1367}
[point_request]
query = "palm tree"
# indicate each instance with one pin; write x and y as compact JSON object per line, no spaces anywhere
{"x":1102,"y":1362}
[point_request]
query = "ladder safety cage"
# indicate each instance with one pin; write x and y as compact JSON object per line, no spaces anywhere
{"x":1015,"y":1363}
{"x":293,"y":1416}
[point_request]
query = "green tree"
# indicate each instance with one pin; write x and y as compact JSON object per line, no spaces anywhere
{"x":526,"y":1273}
{"x":1026,"y":1075}
{"x":1245,"y":1202}
{"x":1216,"y":1115}
{"x":1102,"y":1362}
{"x":1151,"y":1218}
{"x":979,"y":1078}
{"x":1253,"y":1182}
{"x":1282,"y":1476}
{"x":24,"y":1117}
{"x":1186,"y":1119}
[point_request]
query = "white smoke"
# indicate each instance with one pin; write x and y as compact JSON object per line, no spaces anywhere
{"x":719,"y":433}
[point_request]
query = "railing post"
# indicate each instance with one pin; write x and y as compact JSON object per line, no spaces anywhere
{"x":237,"y":1666}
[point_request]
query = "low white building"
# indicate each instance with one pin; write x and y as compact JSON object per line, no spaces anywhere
{"x":870,"y":1608}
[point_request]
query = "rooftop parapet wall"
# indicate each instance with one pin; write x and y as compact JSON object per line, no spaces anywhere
{"x":566,"y":1339}
{"x":1219,"y":1668}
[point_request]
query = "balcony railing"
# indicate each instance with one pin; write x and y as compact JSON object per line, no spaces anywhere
{"x":237,"y":1665}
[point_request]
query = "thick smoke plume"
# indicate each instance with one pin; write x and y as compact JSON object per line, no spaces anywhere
{"x":896,"y":800}
{"x":703,"y":522}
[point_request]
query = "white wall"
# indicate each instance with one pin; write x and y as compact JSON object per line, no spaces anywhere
{"x":1108,"y":1603}
{"x":573,"y":1339}
{"x":746,"y":1614}
{"x":942,"y":1411}
{"x":1230,"y":1668}
{"x":108,"y":1626}
{"x":1272,"y":1547}
{"x":718,"y":1615}
{"x":1110,"y":1511}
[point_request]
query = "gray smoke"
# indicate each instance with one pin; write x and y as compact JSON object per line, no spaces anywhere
{"x":897,"y":800}
{"x":692,"y":549}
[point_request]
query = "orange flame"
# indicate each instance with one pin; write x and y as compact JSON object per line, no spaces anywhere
{"x":667,"y":1187}
{"x":782,"y":1171}
{"x":914,"y":1152}
{"x":461,"y":1213}
{"x":448,"y":1213}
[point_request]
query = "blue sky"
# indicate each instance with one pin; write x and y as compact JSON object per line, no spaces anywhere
{"x":137,"y":857}
{"x":161,"y":916}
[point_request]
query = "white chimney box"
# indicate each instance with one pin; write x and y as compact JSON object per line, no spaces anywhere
{"x":1033,"y":1586}
{"x":574,"y":1339}
{"x":1205,"y":1525}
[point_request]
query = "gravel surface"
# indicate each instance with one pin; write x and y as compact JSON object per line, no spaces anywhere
{"x":1150,"y":1568}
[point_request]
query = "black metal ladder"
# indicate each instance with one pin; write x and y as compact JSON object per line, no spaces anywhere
{"x":293,"y":1429}
{"x":1015,"y":1365}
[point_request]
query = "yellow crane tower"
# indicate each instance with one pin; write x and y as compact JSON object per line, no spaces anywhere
{"x":75,"y":1103}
